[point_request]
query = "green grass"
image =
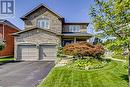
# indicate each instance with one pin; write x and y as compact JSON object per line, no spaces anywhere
{"x":6,"y":59}
{"x":112,"y":75}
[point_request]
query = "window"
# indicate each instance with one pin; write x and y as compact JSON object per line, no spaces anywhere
{"x":43,"y":23}
{"x":74,"y":28}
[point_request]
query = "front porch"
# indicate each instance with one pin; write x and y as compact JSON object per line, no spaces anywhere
{"x":73,"y":39}
{"x":68,"y":38}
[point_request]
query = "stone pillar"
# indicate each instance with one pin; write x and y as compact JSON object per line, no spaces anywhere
{"x":75,"y":40}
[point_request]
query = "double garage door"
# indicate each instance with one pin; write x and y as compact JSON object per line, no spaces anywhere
{"x":34,"y":53}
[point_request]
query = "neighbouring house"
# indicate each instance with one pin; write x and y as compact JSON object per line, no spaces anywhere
{"x":45,"y":30}
{"x":6,"y":29}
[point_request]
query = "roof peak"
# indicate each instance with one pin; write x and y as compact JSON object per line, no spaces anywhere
{"x":37,"y":7}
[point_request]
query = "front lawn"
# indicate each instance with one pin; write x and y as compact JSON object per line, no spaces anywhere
{"x":6,"y":59}
{"x":112,"y":75}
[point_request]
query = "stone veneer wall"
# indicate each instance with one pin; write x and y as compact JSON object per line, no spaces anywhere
{"x":55,"y":23}
{"x":36,"y":36}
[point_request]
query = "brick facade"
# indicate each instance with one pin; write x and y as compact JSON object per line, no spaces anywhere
{"x":9,"y":40}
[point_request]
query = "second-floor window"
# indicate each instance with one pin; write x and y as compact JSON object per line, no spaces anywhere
{"x":74,"y":28}
{"x":43,"y":23}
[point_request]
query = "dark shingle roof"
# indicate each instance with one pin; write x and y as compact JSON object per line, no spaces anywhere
{"x":64,"y":34}
{"x":6,"y":22}
{"x":29,"y":29}
{"x":77,"y":34}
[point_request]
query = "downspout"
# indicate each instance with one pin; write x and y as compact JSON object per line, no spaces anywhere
{"x":3,"y":32}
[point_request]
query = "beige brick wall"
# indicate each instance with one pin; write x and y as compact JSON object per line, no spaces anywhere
{"x":37,"y":36}
{"x":55,"y":23}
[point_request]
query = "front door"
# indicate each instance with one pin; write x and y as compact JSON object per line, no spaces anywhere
{"x":66,"y":42}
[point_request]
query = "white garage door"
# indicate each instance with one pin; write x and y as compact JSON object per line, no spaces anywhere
{"x":48,"y":52}
{"x":29,"y":53}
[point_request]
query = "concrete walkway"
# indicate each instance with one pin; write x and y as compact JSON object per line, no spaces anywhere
{"x":116,"y":59}
{"x":63,"y":62}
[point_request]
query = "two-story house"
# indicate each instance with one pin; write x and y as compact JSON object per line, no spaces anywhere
{"x":6,"y":29}
{"x":44,"y":31}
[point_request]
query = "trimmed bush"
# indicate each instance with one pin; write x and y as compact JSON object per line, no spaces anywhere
{"x":84,"y":49}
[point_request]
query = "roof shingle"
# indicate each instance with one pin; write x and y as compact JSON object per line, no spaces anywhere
{"x":3,"y":21}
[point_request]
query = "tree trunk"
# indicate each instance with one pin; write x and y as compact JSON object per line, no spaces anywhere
{"x":129,"y":68}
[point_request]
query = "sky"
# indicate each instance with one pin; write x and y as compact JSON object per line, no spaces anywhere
{"x":71,"y":10}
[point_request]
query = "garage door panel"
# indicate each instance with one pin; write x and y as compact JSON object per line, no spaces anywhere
{"x":29,"y":53}
{"x":48,"y":52}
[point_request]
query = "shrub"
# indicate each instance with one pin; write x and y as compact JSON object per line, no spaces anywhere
{"x":2,"y":45}
{"x":84,"y":49}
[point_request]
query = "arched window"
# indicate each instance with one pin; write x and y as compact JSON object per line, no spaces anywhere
{"x":43,"y":23}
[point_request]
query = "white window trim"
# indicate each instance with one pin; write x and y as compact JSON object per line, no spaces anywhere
{"x":72,"y":29}
{"x":43,"y":19}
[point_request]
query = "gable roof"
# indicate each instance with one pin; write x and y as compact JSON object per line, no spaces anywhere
{"x":6,"y":22}
{"x":78,"y":34}
{"x":41,"y":5}
{"x":33,"y":28}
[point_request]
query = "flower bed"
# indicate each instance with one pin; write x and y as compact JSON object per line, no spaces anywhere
{"x":87,"y":64}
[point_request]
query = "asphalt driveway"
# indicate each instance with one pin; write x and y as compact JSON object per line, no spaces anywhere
{"x":24,"y":74}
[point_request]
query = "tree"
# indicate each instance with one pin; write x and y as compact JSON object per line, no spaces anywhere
{"x":111,"y":18}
